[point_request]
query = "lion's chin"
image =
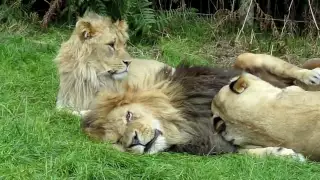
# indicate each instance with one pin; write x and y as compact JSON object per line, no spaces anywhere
{"x":120,"y":75}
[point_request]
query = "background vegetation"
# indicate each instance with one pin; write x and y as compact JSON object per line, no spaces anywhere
{"x":36,"y":142}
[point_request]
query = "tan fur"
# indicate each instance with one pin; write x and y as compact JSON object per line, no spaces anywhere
{"x":147,"y":101}
{"x":163,"y":110}
{"x":311,"y":63}
{"x":267,"y":116}
{"x":156,"y":110}
{"x":275,"y":70}
{"x":93,"y":58}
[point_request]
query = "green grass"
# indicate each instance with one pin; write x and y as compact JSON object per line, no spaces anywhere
{"x":38,"y":143}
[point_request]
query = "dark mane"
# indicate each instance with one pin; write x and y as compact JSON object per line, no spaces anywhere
{"x":200,"y":84}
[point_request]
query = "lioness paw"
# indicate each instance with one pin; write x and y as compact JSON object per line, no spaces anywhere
{"x":279,"y":151}
{"x":274,"y":151}
{"x":311,"y":77}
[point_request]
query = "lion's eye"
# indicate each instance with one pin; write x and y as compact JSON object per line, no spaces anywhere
{"x":129,"y":116}
{"x":111,"y":44}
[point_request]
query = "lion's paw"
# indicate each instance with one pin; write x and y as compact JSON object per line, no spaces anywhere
{"x":83,"y":113}
{"x":311,"y":77}
{"x":279,"y":151}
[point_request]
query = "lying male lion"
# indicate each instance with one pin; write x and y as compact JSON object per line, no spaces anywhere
{"x":167,"y":111}
{"x":255,"y":113}
{"x":173,"y":112}
{"x":93,"y":58}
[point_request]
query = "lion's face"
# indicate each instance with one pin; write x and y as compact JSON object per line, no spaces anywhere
{"x":132,"y":126}
{"x":144,"y":135}
{"x":136,"y":120}
{"x":116,"y":122}
{"x":104,"y":44}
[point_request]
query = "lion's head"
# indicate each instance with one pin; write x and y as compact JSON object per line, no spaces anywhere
{"x":126,"y":108}
{"x":92,"y":58}
{"x":172,"y":112}
{"x":96,"y":42}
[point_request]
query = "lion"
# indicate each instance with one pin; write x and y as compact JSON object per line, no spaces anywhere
{"x":95,"y":57}
{"x":170,"y":112}
{"x":252,"y":112}
{"x":173,"y":108}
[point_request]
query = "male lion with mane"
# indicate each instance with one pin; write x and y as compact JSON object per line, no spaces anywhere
{"x":95,"y":57}
{"x":173,"y":112}
{"x":166,"y":111}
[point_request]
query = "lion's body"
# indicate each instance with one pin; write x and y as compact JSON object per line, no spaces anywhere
{"x":257,"y":113}
{"x":178,"y":105}
{"x":84,"y":62}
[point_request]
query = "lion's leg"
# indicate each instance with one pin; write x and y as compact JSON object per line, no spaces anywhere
{"x":59,"y":102}
{"x":273,"y":151}
{"x":276,"y":67}
{"x":62,"y":107}
{"x":83,"y":113}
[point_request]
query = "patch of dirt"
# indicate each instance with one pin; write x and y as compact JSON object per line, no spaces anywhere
{"x":222,"y":53}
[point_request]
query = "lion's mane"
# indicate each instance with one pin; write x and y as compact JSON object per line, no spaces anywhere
{"x":186,"y":94}
{"x":85,"y":56}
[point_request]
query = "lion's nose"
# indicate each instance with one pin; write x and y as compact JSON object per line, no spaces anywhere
{"x":126,"y":62}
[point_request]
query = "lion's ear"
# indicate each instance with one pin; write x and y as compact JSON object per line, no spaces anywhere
{"x":90,"y":14}
{"x":239,"y":85}
{"x":85,"y":30}
{"x":121,"y":25}
{"x":218,"y":124}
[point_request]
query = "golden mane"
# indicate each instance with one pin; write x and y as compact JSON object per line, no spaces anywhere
{"x":180,"y":102}
{"x":96,"y":46}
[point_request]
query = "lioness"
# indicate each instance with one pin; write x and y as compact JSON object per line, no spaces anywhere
{"x":171,"y":112}
{"x":93,"y":58}
{"x":255,"y":113}
{"x":277,"y":71}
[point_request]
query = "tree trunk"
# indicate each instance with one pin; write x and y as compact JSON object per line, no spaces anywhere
{"x":243,"y":10}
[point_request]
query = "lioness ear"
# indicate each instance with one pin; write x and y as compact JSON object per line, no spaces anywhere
{"x":121,"y":25}
{"x":218,"y":124}
{"x":85,"y":29}
{"x":239,"y":85}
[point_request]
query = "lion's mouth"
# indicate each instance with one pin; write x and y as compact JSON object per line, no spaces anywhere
{"x":148,"y":145}
{"x":119,"y":74}
{"x":114,"y":72}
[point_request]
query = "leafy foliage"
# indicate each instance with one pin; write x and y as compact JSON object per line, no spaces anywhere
{"x":142,"y":18}
{"x":15,"y":10}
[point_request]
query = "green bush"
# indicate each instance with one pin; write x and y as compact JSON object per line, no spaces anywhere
{"x":142,"y":19}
